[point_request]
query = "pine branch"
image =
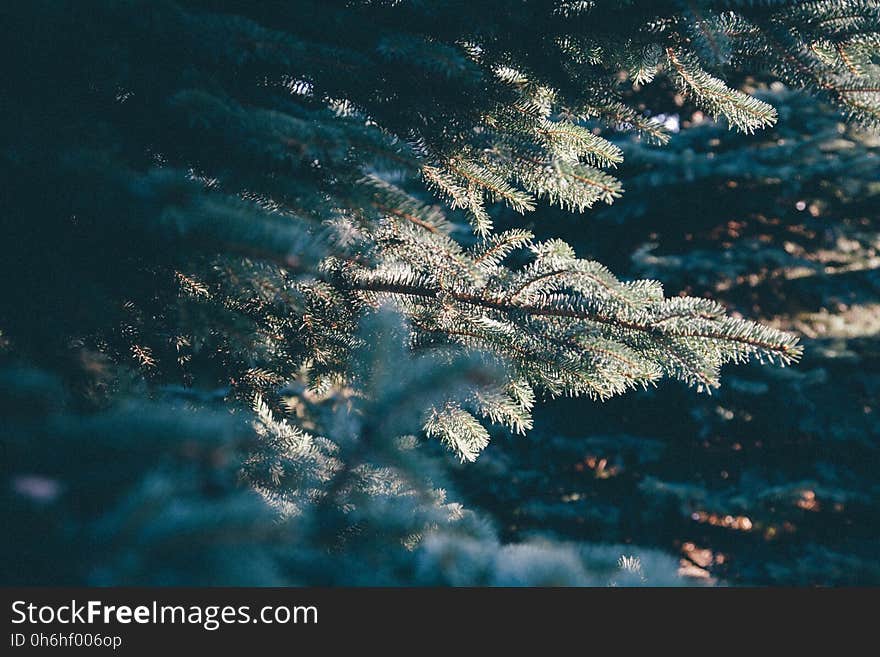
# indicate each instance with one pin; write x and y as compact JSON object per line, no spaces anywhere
{"x":745,"y":112}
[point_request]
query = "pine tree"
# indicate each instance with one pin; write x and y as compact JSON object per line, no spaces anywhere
{"x":773,"y":479}
{"x":209,"y":200}
{"x":148,"y":492}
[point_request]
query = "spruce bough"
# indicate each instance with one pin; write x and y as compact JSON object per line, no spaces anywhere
{"x":217,"y":195}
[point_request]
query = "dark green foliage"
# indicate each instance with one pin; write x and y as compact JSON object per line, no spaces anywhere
{"x":773,"y":480}
{"x":209,"y":202}
{"x":149,"y":493}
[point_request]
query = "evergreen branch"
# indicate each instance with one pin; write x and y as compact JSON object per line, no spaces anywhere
{"x":497,"y":188}
{"x":745,"y":112}
{"x":783,"y":346}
